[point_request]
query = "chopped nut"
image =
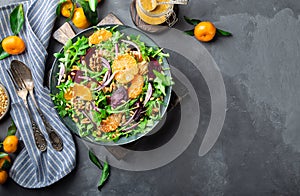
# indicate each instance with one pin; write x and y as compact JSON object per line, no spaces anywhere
{"x":155,"y":110}
{"x":85,"y":121}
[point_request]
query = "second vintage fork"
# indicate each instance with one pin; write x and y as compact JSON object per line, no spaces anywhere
{"x":22,"y":92}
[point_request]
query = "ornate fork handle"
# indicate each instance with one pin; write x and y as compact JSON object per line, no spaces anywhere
{"x":39,"y":138}
{"x":55,"y":139}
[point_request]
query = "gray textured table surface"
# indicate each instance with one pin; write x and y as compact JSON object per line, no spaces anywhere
{"x":258,"y":151}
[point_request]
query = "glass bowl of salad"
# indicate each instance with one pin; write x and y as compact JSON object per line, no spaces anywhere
{"x":111,"y":84}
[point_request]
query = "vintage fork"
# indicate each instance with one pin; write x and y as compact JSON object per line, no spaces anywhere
{"x":22,"y":93}
{"x":21,"y":71}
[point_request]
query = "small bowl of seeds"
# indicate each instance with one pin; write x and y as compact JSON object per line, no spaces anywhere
{"x":4,"y":101}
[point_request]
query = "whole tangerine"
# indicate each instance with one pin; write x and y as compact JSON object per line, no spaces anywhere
{"x":66,"y":8}
{"x":10,"y":144}
{"x":79,"y":19}
{"x":205,"y":31}
{"x":3,"y":176}
{"x":13,"y":45}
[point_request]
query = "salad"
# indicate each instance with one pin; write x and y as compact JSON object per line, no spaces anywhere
{"x":110,"y":84}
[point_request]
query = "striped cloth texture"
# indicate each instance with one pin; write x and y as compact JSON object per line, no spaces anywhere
{"x":32,"y":168}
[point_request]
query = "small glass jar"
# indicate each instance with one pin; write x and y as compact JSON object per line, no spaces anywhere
{"x":161,"y":14}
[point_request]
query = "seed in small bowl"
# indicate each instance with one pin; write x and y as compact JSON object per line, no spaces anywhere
{"x":4,"y":101}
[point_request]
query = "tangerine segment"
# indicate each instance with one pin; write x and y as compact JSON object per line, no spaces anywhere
{"x":126,"y":66}
{"x":13,"y":45}
{"x":136,"y":87}
{"x":99,"y":36}
{"x":79,"y":90}
{"x":205,"y":31}
{"x":111,"y":123}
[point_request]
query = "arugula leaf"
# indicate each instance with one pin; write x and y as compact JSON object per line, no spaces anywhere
{"x":165,"y":80}
{"x":160,"y":82}
{"x":68,"y":44}
{"x":12,"y":129}
{"x":17,"y":19}
{"x":72,"y":52}
{"x":59,"y":100}
{"x":159,"y":85}
{"x":148,"y":51}
{"x":2,"y":154}
{"x":191,"y":21}
{"x":104,"y":176}
{"x":95,"y":160}
{"x":91,"y":16}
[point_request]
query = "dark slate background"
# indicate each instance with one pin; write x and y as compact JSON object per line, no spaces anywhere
{"x":258,"y":150}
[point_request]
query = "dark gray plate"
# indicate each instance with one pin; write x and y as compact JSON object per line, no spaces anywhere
{"x":127,"y":31}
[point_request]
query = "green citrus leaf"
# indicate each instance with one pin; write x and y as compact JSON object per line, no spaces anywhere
{"x":12,"y":129}
{"x":95,"y":160}
{"x":3,"y":54}
{"x":58,"y":8}
{"x":2,"y":154}
{"x":223,"y":33}
{"x":190,"y":32}
{"x":17,"y":19}
{"x":104,"y":176}
{"x":93,"y":4}
{"x":6,"y":165}
{"x":90,"y":15}
{"x":191,"y":21}
{"x":72,"y":12}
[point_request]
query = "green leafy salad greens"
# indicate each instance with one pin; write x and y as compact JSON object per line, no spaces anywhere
{"x":111,"y":85}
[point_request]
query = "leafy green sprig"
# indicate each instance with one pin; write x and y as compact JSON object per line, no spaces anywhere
{"x":60,"y":102}
{"x":72,"y":52}
{"x":147,"y":51}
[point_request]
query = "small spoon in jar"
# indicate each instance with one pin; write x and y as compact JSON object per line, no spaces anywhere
{"x":154,"y":3}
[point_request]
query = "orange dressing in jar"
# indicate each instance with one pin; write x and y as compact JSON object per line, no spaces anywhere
{"x":157,"y":16}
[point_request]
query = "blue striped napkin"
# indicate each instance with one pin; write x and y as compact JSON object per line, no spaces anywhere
{"x":33,"y":169}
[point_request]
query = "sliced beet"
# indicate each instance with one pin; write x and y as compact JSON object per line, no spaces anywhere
{"x":153,"y":65}
{"x":88,"y":55}
{"x":92,"y":59}
{"x":76,"y":75}
{"x":139,"y":113}
{"x":118,"y":97}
